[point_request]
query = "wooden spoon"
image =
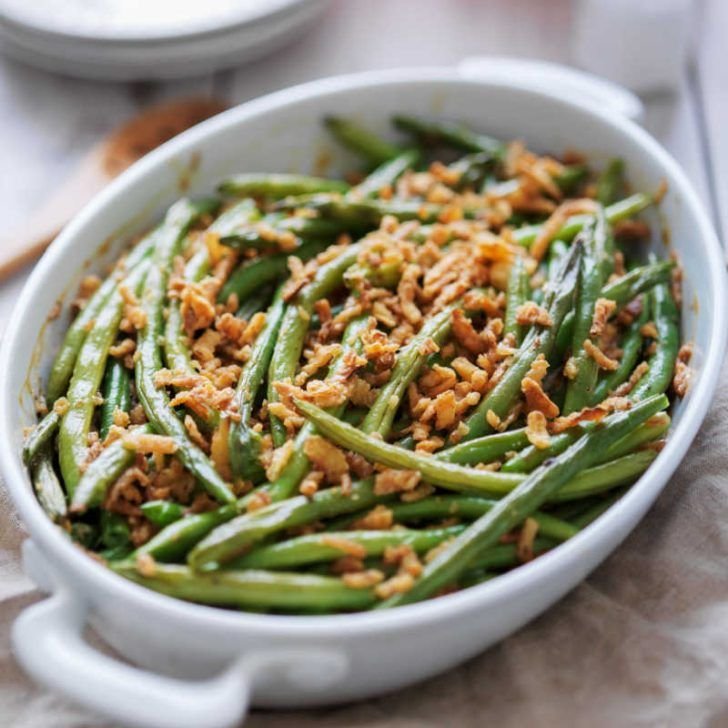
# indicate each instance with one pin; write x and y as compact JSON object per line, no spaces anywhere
{"x":109,"y":158}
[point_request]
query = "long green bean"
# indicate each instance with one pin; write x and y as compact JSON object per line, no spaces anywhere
{"x":447,"y":475}
{"x":314,"y":548}
{"x":531,"y":457}
{"x":116,"y":392}
{"x":472,"y":507}
{"x":276,"y":186}
{"x":409,"y":363}
{"x":46,"y":484}
{"x":251,"y":589}
{"x":244,"y":440}
{"x":631,"y":346}
{"x":295,"y":325}
{"x":539,"y":340}
{"x":65,"y":360}
{"x":252,"y":275}
{"x":298,"y":464}
{"x":386,"y":174}
{"x":234,"y":537}
{"x":516,"y":295}
{"x":41,"y":436}
{"x":622,"y":210}
{"x":485,"y":449}
{"x":622,"y":290}
{"x":83,"y":389}
{"x":662,"y":362}
{"x":538,"y":487}
{"x":149,"y":356}
{"x":102,"y":473}
{"x":611,"y":182}
{"x":593,"y":272}
{"x":455,"y":135}
{"x":372,"y":148}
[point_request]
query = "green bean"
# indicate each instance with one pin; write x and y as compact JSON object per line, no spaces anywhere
{"x":662,"y":363}
{"x":258,"y":302}
{"x":438,"y":472}
{"x":600,"y":478}
{"x":46,"y":484}
{"x":295,"y":325}
{"x":531,"y":457}
{"x":622,"y":210}
{"x":102,"y":473}
{"x":63,"y":364}
{"x":384,"y":274}
{"x":631,"y":346}
{"x":467,"y":507}
{"x":539,"y":340}
{"x":622,"y":290}
{"x":372,"y":148}
{"x":386,"y":174}
{"x":176,"y":350}
{"x":252,"y":236}
{"x":593,"y":272}
{"x":485,"y":449}
{"x":116,"y":391}
{"x":516,"y":295}
{"x":314,"y":548}
{"x":276,"y":186}
{"x":161,"y":512}
{"x":362,"y":214}
{"x":40,"y":436}
{"x":354,"y":415}
{"x":149,"y":357}
{"x":557,"y":251}
{"x":571,"y":177}
{"x":233,"y":538}
{"x":447,"y":475}
{"x":642,"y":279}
{"x":611,"y":182}
{"x":298,"y":464}
{"x":84,"y":386}
{"x":453,"y":134}
{"x":246,"y":589}
{"x":505,"y":556}
{"x":244,"y":441}
{"x":410,"y":360}
{"x":593,"y":512}
{"x":252,"y":275}
{"x":174,"y":541}
{"x":543,"y":484}
{"x":239,"y":216}
{"x":472,"y":169}
{"x":84,"y":534}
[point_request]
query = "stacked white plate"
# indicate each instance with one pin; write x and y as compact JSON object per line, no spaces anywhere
{"x":127,"y":40}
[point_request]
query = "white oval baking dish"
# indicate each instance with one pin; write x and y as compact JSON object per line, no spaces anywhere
{"x":200,"y":666}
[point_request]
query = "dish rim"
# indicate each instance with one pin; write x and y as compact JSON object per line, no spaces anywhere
{"x":55,"y":546}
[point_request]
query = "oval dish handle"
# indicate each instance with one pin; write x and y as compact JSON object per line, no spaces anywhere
{"x":585,"y":88}
{"x":48,"y":643}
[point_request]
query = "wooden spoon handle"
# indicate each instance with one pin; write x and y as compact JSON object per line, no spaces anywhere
{"x":24,"y":245}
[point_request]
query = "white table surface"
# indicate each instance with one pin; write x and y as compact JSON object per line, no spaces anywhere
{"x":48,"y":122}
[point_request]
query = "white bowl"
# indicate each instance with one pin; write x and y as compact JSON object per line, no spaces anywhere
{"x":118,"y":49}
{"x":303,"y":661}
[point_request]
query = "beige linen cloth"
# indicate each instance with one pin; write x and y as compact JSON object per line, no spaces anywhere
{"x":643,"y":642}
